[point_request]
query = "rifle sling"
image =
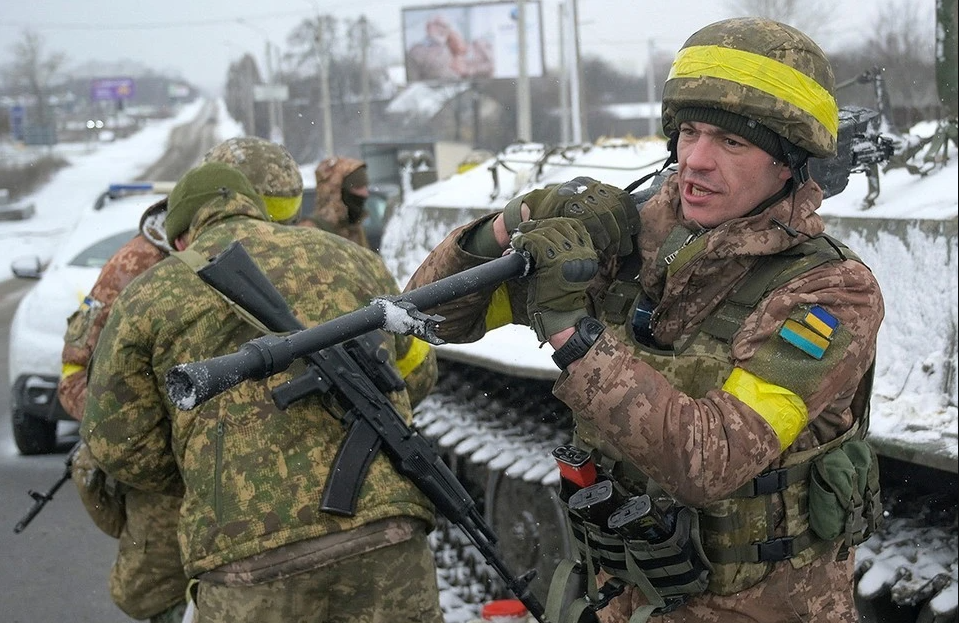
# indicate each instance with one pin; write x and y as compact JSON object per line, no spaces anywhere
{"x":197,"y":262}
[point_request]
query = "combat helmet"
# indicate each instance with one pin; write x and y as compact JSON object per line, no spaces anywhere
{"x":271,"y":169}
{"x":768,"y":80}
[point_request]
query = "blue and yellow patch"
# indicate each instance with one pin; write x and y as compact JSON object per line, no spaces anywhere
{"x":813,"y":333}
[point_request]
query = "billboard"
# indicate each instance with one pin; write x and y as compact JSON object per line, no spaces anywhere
{"x":470,"y":41}
{"x":111,"y":89}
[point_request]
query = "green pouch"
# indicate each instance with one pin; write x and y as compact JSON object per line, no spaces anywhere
{"x":864,"y":459}
{"x":860,"y":455}
{"x":833,"y":487}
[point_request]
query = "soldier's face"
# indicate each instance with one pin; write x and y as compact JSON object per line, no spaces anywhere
{"x":723,"y":176}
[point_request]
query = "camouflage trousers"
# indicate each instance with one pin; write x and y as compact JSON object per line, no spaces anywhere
{"x":147,"y":577}
{"x":394,"y":584}
{"x":820,"y":592}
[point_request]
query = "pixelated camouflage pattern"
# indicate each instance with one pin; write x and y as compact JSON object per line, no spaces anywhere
{"x":772,"y":40}
{"x":254,"y":474}
{"x":85,"y":324}
{"x":330,"y":213}
{"x":103,"y":503}
{"x":394,"y":584}
{"x":700,"y":449}
{"x":821,"y":592}
{"x":141,"y":583}
{"x":147,"y":577}
{"x":269,"y":166}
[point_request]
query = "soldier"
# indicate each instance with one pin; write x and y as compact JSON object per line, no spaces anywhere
{"x":252,"y":537}
{"x":153,"y":586}
{"x":342,"y":188}
{"x":716,"y":354}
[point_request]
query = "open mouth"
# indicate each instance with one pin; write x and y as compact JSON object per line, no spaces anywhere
{"x":694,"y":190}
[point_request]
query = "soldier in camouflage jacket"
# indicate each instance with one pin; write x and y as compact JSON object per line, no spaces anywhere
{"x":717,"y":357}
{"x":342,"y":188}
{"x":151,"y":584}
{"x":251,"y":476}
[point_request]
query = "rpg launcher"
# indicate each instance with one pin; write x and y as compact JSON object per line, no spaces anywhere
{"x":348,"y":363}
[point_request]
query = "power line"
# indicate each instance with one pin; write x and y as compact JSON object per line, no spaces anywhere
{"x":98,"y":26}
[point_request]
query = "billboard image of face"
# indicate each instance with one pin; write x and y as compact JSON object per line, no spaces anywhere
{"x":468,"y":42}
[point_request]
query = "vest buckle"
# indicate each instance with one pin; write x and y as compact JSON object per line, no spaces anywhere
{"x":776,"y":550}
{"x":770,"y":482}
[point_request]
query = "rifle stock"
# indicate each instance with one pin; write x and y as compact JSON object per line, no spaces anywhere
{"x":358,"y":375}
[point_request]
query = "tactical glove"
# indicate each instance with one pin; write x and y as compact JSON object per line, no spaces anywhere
{"x":609,"y":214}
{"x":564,"y":262}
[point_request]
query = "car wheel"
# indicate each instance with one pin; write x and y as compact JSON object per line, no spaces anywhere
{"x":32,"y":435}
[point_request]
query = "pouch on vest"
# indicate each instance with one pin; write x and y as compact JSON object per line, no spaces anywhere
{"x":672,"y":569}
{"x":844,"y":493}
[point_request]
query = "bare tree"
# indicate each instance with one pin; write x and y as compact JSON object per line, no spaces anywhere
{"x":810,"y":16}
{"x":34,"y":71}
{"x":902,"y":42}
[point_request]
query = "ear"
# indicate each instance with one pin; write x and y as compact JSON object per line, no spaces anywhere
{"x":784,"y":171}
{"x":182,"y":241}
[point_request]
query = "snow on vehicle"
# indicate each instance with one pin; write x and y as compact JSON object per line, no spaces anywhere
{"x":36,"y":333}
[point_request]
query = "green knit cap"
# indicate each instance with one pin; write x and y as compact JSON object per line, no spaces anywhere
{"x":199,"y":186}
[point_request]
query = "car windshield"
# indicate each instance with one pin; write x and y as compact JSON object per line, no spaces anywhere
{"x":97,"y":254}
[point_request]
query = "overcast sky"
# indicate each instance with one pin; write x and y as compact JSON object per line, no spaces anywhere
{"x":197,"y":39}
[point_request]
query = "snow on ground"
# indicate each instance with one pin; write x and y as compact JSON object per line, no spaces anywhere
{"x":93,"y":167}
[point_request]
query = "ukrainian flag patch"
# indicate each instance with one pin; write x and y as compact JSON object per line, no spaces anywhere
{"x":813,"y":334}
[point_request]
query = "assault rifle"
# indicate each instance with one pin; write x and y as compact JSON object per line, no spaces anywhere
{"x":351,"y":366}
{"x":40,"y":499}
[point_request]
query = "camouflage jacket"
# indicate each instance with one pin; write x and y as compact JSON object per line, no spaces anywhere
{"x":253,"y":474}
{"x":699,"y":450}
{"x":330,"y":213}
{"x":85,"y":325}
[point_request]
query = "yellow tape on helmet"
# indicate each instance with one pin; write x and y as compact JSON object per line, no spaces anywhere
{"x":759,"y":72}
{"x":282,"y":209}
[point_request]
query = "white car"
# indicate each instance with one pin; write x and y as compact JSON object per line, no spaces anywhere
{"x":40,"y":322}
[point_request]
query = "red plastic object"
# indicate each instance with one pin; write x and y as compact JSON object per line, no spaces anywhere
{"x":504,"y":610}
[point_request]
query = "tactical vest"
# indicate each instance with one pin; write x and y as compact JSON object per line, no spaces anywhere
{"x":736,"y":535}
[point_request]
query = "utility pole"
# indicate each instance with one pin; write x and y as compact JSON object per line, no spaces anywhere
{"x":577,"y":117}
{"x":651,"y":87}
{"x":325,"y":105}
{"x":275,"y":134}
{"x":250,"y":101}
{"x":564,"y":129}
{"x":365,"y":77}
{"x":523,"y":122}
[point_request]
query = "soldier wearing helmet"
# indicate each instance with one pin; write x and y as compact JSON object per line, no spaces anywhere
{"x":253,"y":539}
{"x":271,"y":170}
{"x":152,"y":585}
{"x":715,"y":347}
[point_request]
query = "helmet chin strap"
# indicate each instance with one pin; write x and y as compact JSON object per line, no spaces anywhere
{"x":671,"y":159}
{"x":798,"y":160}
